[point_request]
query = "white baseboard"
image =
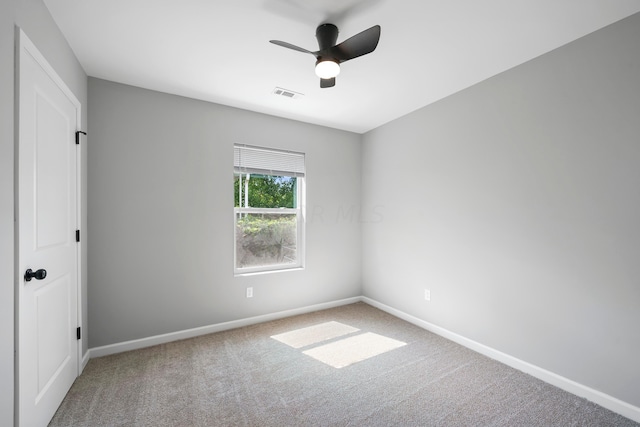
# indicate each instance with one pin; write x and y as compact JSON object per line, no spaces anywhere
{"x":85,"y":360}
{"x":190,"y":333}
{"x":616,"y":405}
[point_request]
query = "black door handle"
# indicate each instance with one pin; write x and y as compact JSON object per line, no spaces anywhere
{"x":39,"y":275}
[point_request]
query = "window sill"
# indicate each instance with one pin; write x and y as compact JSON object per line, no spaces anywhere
{"x":257,"y":273}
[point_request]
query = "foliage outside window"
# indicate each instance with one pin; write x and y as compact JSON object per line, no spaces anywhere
{"x":269,"y":225}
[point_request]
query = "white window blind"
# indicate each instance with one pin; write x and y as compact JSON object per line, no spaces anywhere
{"x":257,"y":160}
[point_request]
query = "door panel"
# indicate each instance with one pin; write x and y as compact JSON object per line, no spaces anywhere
{"x":53,"y":328}
{"x":47,"y":358}
{"x":52,"y":173}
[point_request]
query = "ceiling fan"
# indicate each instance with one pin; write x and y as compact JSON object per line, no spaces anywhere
{"x":330,"y":56}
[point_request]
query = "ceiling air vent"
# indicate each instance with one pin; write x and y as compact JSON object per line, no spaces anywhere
{"x":286,"y":93}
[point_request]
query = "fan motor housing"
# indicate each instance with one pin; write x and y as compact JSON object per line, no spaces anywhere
{"x":327,"y":35}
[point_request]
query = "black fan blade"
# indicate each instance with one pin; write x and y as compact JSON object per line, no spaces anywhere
{"x":358,"y":45}
{"x":291,"y":46}
{"x":327,"y":82}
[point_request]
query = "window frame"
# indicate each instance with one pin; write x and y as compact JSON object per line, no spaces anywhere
{"x":298,"y":211}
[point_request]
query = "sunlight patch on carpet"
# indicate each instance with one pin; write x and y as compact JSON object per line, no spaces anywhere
{"x":354,"y":349}
{"x":314,"y":334}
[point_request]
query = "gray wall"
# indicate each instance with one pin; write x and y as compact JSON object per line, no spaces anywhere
{"x":161,"y":223}
{"x":34,"y":18}
{"x":516,"y":203}
{"x":7,"y":18}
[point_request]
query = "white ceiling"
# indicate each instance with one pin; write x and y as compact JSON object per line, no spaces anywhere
{"x":219,"y":50}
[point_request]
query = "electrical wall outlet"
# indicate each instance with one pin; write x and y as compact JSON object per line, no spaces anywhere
{"x":249,"y":292}
{"x":427,"y":295}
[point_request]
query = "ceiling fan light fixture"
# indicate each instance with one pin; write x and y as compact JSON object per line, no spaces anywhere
{"x":331,"y":55}
{"x":327,"y":68}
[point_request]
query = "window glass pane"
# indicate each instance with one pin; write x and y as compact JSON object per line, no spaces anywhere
{"x":264,"y":191}
{"x":265,"y":239}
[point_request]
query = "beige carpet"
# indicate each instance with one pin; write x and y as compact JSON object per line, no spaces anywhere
{"x":348,"y":366}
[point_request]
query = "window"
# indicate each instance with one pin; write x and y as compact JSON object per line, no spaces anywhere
{"x":268,"y":218}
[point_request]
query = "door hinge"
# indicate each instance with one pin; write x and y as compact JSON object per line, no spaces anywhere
{"x":78,"y":132}
{"x":78,"y":333}
{"x":77,"y":235}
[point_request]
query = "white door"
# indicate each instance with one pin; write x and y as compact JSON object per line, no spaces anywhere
{"x":47,"y":211}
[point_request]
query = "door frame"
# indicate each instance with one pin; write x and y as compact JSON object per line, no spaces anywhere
{"x":23,"y":42}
